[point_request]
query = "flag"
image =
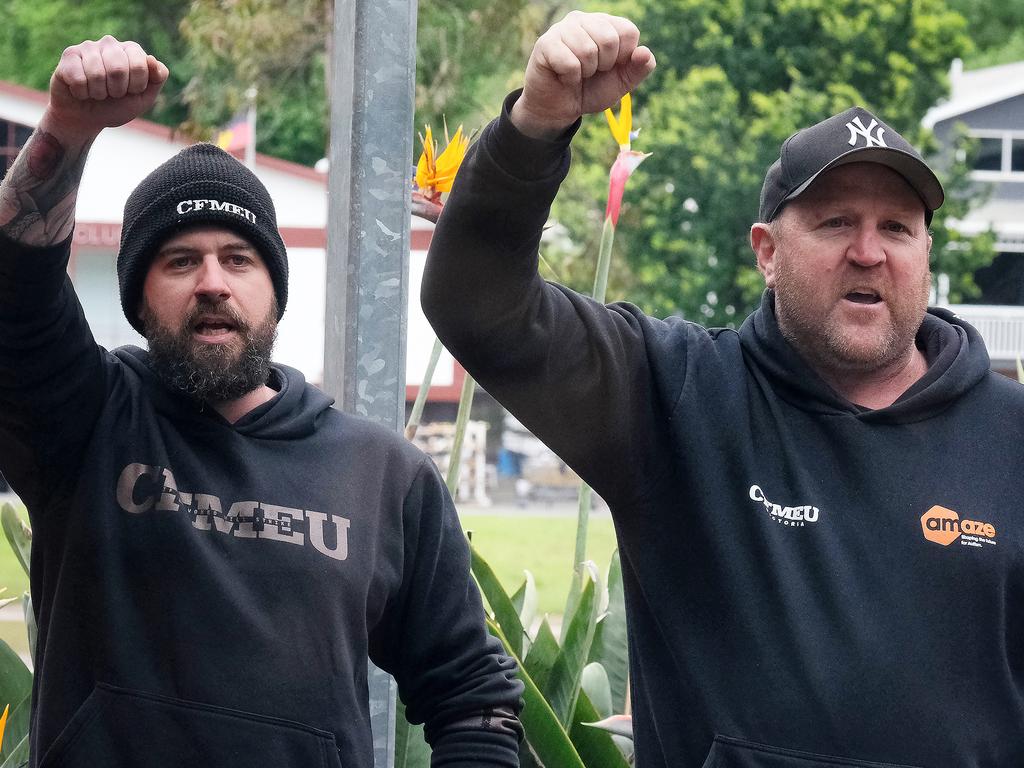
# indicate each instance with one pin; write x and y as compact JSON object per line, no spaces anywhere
{"x":237,"y":134}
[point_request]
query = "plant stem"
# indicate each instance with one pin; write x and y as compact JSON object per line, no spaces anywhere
{"x":604,"y":261}
{"x":455,"y":459}
{"x":421,"y":396}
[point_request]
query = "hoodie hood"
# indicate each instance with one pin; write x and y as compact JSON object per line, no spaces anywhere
{"x":292,"y":413}
{"x":957,"y":360}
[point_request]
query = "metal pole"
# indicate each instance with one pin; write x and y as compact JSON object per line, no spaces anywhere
{"x":372,"y":100}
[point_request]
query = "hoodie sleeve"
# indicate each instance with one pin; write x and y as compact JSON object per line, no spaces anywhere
{"x":51,"y":372}
{"x":573,"y":371}
{"x":452,"y":675}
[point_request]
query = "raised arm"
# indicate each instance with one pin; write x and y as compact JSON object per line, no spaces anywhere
{"x":97,"y":84}
{"x":573,"y":371}
{"x":52,"y":369}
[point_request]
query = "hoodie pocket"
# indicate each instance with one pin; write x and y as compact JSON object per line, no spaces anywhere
{"x":119,"y":728}
{"x":727,"y":752}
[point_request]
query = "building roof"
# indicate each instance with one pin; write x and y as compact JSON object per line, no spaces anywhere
{"x":975,"y":89}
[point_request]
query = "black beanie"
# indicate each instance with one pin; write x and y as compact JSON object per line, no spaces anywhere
{"x":202,"y":184}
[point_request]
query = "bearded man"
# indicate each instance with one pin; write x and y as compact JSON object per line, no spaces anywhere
{"x":216,"y":550}
{"x":817,"y":514}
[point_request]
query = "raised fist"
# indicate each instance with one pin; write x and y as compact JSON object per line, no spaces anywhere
{"x":585,"y":63}
{"x":103,"y":84}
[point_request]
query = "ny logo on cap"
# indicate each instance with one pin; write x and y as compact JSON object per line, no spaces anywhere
{"x":857,"y":129}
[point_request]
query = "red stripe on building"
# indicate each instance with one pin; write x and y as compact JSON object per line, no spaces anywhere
{"x":448,"y":393}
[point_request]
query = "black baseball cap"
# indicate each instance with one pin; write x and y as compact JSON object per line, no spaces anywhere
{"x":853,"y":136}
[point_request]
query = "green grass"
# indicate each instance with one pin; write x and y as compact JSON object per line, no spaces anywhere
{"x":541,"y":545}
{"x":14,"y":581}
{"x":11,"y":574}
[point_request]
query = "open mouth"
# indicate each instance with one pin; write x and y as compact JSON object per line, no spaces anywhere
{"x":863,"y":297}
{"x":213,"y":328}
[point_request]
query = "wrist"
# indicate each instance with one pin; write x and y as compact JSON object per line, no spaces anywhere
{"x":537,"y":125}
{"x":69,"y":134}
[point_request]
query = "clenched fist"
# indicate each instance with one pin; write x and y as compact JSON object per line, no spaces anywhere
{"x":585,"y":63}
{"x":102,"y":84}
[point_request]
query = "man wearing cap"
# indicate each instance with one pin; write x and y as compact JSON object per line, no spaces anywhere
{"x":818,"y":515}
{"x":216,"y":550}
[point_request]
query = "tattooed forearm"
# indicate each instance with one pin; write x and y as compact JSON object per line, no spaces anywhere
{"x":37,"y":197}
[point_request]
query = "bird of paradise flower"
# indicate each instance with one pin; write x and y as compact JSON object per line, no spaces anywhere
{"x":625,"y":163}
{"x":3,"y":724}
{"x":435,"y":174}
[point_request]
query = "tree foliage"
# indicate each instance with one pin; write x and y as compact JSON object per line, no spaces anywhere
{"x":996,"y":28}
{"x":466,"y":51}
{"x":734,"y":79}
{"x":34,"y":32}
{"x":469,"y":53}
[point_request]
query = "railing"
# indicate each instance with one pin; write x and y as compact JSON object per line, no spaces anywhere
{"x":1002,"y":328}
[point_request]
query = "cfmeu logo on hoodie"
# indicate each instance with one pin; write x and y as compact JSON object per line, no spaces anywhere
{"x":944,"y":526}
{"x":786,"y":515}
{"x":142,"y":488}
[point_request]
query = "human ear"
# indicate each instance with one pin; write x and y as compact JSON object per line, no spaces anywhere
{"x":762,"y":242}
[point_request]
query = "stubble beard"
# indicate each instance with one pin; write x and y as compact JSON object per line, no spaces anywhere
{"x":823,"y":340}
{"x":211,"y":372}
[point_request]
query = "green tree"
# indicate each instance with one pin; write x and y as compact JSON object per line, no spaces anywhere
{"x":34,"y":32}
{"x":468,"y":52}
{"x":734,"y":79}
{"x":996,"y":28}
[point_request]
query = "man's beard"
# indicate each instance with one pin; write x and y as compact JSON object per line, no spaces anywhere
{"x":211,"y":372}
{"x":807,"y":322}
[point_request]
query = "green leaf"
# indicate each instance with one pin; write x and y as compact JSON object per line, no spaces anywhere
{"x":18,"y":535}
{"x":527,"y":757}
{"x":549,"y":741}
{"x":543,"y":653}
{"x":15,"y":688}
{"x":595,"y":684}
{"x":30,"y":623}
{"x":505,"y":612}
{"x":595,"y":746}
{"x":525,"y":601}
{"x":579,"y":553}
{"x":611,"y":646}
{"x":411,"y":749}
{"x":564,"y":683}
{"x":15,"y":744}
{"x":573,"y":600}
{"x":18,"y":756}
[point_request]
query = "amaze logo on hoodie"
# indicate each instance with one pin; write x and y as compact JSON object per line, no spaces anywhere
{"x":944,"y":526}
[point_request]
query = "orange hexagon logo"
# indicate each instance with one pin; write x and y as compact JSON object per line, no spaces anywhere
{"x":940,"y":525}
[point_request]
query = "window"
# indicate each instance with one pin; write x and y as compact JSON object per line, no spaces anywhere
{"x":12,"y":138}
{"x":1000,"y":154}
{"x":1017,"y":155}
{"x":990,"y":155}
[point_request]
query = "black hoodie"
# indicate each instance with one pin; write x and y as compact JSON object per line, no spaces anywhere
{"x":809,"y":583}
{"x":207,"y":593}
